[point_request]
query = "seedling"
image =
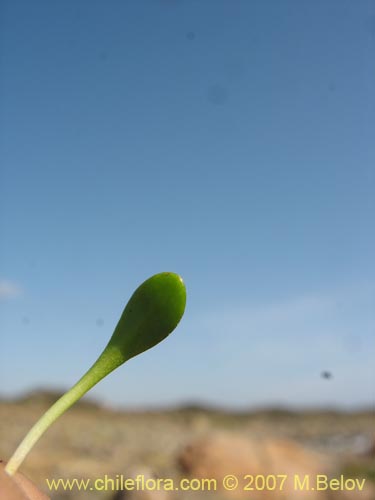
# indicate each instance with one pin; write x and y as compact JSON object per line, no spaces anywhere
{"x":152,"y":313}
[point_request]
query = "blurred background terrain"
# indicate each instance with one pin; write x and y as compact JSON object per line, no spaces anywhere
{"x":92,"y":440}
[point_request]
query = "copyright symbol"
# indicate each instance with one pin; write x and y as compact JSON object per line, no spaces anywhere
{"x":230,"y":482}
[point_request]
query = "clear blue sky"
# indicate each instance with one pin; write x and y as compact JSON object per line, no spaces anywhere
{"x":230,"y":142}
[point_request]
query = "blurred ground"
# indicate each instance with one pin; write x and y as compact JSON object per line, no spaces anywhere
{"x":90,"y":441}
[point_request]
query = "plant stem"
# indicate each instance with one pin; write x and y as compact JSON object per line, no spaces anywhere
{"x":106,"y":363}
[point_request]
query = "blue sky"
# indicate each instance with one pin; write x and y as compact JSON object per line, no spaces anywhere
{"x":230,"y":142}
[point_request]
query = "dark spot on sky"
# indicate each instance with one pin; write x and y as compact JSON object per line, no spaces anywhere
{"x":217,"y":94}
{"x":99,"y":322}
{"x":25,"y":320}
{"x":326,"y":375}
{"x":190,"y":35}
{"x":103,"y":56}
{"x":332,"y":87}
{"x":33,"y":263}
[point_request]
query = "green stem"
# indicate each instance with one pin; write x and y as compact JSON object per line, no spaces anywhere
{"x":152,"y":313}
{"x":107,"y":362}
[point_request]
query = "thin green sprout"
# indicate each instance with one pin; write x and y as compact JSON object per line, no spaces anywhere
{"x":152,"y":313}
